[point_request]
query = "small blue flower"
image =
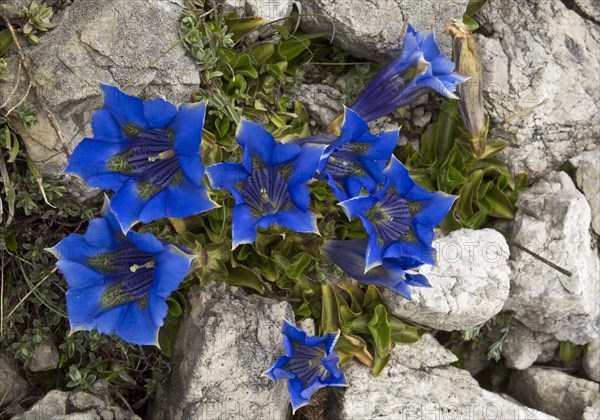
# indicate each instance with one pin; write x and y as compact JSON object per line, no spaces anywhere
{"x":419,"y":67}
{"x":270,"y":185}
{"x":148,"y":152}
{"x":357,"y":158}
{"x":399,"y":218}
{"x":392,"y":273}
{"x":118,"y":284}
{"x":309,"y":363}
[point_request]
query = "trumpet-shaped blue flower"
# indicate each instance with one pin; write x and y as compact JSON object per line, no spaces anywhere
{"x":419,"y":67}
{"x":148,"y":152}
{"x":357,"y":158}
{"x":392,"y":273}
{"x":270,"y":185}
{"x":399,"y":218}
{"x":309,"y":363}
{"x":118,"y":284}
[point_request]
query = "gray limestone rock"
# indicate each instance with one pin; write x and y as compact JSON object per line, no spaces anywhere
{"x":555,"y":392}
{"x":12,"y":385}
{"x":418,"y":383}
{"x":225,"y":342}
{"x":470,"y":282}
{"x":373,"y":29}
{"x":591,"y":360}
{"x":58,"y":405}
{"x":553,"y":220}
{"x":542,"y":53}
{"x":44,"y":357}
{"x":110,"y":42}
{"x":524,"y":347}
{"x":587,"y":178}
{"x":592,"y":412}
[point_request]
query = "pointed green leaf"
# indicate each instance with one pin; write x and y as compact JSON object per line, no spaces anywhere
{"x":243,"y":276}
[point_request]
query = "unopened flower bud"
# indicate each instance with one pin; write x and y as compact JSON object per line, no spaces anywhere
{"x":471,"y":92}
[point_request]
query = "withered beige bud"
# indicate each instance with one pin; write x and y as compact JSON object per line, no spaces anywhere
{"x":464,"y":54}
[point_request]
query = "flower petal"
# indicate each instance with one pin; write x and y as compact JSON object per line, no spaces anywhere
{"x":186,"y":199}
{"x":83,"y":305}
{"x":79,"y":275}
{"x":75,"y":248}
{"x":124,"y":108}
{"x":298,"y":220}
{"x":127,"y":205}
{"x":255,"y":140}
{"x":243,"y":226}
{"x":159,"y":113}
{"x":100,"y":233}
{"x":105,"y":127}
{"x":358,"y":206}
{"x":137,"y":325}
{"x":295,"y":389}
{"x":90,"y":160}
{"x":172,"y":265}
{"x":147,"y":242}
{"x":226,"y":176}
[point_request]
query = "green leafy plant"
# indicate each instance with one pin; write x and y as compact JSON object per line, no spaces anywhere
{"x":36,"y":19}
{"x":446,"y":162}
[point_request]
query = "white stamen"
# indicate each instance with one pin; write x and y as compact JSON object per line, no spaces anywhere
{"x":135,"y":267}
{"x":162,"y":155}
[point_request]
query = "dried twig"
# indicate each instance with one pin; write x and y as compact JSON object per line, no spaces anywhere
{"x":34,"y":84}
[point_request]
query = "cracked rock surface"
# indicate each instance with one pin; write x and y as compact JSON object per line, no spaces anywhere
{"x":419,"y":383}
{"x":58,"y":405}
{"x":12,"y":384}
{"x":470,"y":282}
{"x":110,"y":42}
{"x":373,"y":29}
{"x":554,"y":392}
{"x":225,"y":342}
{"x":524,"y":347}
{"x":553,"y":220}
{"x":536,"y":51}
{"x":587,"y":177}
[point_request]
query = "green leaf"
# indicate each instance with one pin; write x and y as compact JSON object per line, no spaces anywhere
{"x":276,"y":70}
{"x":403,"y":332}
{"x":5,"y":41}
{"x":295,"y":45}
{"x":353,"y":346}
{"x":500,"y":205}
{"x":241,"y":27}
{"x":243,"y":66}
{"x":167,"y":334}
{"x":569,"y":352}
{"x":262,"y":52}
{"x":474,"y":6}
{"x":303,"y":310}
{"x":470,"y":22}
{"x":11,"y":241}
{"x":379,"y":364}
{"x":174,"y":307}
{"x":243,"y":276}
{"x":381,"y":332}
{"x":493,"y":147}
{"x":329,"y":310}
{"x":296,"y":268}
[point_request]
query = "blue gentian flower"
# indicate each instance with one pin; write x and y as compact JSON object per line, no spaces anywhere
{"x":270,"y":185}
{"x":309,"y":363}
{"x":357,"y":158}
{"x":118,"y":284}
{"x":399,"y":218}
{"x":419,"y":67}
{"x":148,"y":152}
{"x":349,"y":255}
